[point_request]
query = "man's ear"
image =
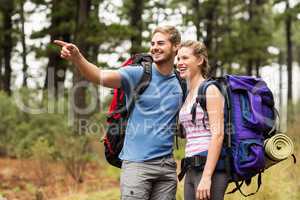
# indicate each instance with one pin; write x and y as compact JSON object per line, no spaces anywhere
{"x":176,"y":48}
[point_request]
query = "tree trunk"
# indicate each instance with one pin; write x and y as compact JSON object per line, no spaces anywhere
{"x":210,"y":33}
{"x":95,"y":52}
{"x":280,"y":62}
{"x":250,"y":60}
{"x":258,"y":4}
{"x":209,"y":27}
{"x":289,"y":46}
{"x":95,"y":47}
{"x":249,"y":67}
{"x":289,"y":61}
{"x":298,"y":54}
{"x":56,"y":68}
{"x":197,"y":18}
{"x":24,"y":53}
{"x":136,"y":23}
{"x":1,"y":76}
{"x":7,"y":44}
{"x":79,"y":81}
{"x":257,"y":66}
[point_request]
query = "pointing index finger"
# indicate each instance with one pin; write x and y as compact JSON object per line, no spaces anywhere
{"x":60,"y":43}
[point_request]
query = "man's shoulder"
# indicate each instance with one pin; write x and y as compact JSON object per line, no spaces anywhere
{"x":131,"y":70}
{"x":136,"y":67}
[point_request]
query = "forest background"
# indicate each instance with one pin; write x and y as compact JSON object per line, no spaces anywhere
{"x":52,"y":119}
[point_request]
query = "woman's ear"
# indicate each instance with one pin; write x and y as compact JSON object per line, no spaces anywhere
{"x":200,"y":61}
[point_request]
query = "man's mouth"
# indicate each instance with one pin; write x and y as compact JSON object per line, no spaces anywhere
{"x":156,"y":54}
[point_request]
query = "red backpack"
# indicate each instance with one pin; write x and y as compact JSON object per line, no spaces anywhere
{"x":118,"y":112}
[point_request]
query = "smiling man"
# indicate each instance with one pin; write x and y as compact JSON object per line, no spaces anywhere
{"x":148,"y":168}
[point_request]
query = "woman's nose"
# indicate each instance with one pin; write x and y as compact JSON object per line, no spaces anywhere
{"x":179,"y":63}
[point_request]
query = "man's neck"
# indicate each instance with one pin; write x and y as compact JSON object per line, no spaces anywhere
{"x":165,"y":68}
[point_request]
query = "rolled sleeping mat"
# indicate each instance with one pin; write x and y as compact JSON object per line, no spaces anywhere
{"x":277,"y":148}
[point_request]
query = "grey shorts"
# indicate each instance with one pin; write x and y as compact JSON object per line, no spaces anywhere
{"x":150,"y":180}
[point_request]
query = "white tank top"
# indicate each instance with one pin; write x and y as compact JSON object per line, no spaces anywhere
{"x":198,"y":137}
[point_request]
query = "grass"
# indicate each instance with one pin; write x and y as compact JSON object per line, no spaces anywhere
{"x":280,"y":182}
{"x":110,"y":194}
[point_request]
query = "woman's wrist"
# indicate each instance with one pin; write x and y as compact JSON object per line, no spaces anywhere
{"x":207,"y":174}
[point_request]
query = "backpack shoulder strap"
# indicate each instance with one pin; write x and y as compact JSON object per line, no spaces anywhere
{"x":201,"y":97}
{"x":143,"y":82}
{"x":222,"y":85}
{"x":179,"y":129}
{"x":182,"y":83}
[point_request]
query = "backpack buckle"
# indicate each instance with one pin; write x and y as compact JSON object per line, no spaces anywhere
{"x":135,"y":97}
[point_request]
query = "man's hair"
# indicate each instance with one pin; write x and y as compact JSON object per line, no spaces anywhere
{"x":199,"y":50}
{"x":174,"y":38}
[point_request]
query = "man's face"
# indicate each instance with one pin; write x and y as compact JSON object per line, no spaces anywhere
{"x":161,"y":48}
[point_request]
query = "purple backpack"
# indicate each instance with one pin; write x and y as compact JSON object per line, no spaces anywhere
{"x":249,"y":117}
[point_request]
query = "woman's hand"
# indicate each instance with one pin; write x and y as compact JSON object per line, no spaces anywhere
{"x":203,"y":189}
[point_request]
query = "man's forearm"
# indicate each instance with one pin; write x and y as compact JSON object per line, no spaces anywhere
{"x":87,"y":69}
{"x":107,"y":78}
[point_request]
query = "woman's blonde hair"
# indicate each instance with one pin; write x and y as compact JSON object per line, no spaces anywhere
{"x":199,"y":50}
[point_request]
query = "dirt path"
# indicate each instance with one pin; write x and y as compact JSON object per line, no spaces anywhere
{"x":20,"y":180}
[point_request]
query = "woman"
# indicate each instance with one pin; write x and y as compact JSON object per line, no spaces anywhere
{"x":208,"y":181}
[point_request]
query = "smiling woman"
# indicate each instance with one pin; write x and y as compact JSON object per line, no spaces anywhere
{"x":192,"y":56}
{"x":202,"y":141}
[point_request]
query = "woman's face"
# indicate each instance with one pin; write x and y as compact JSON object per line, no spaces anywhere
{"x":188,"y":64}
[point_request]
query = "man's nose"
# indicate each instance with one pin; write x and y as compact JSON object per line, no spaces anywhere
{"x":154,"y":46}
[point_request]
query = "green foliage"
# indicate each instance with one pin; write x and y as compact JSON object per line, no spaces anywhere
{"x":281,"y":181}
{"x":10,"y":118}
{"x":113,"y":172}
{"x":179,"y":193}
{"x":41,"y":150}
{"x":42,"y":135}
{"x":75,"y":153}
{"x":32,"y":189}
{"x":180,"y":151}
{"x":16,"y":189}
{"x":42,"y":154}
{"x":110,"y":194}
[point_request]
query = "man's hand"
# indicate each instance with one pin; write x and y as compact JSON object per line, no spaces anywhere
{"x":68,"y":51}
{"x":106,"y":78}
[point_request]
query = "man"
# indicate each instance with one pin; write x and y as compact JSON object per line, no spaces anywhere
{"x":148,"y":168}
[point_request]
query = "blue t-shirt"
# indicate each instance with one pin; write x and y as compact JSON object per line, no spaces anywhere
{"x":151,"y":125}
